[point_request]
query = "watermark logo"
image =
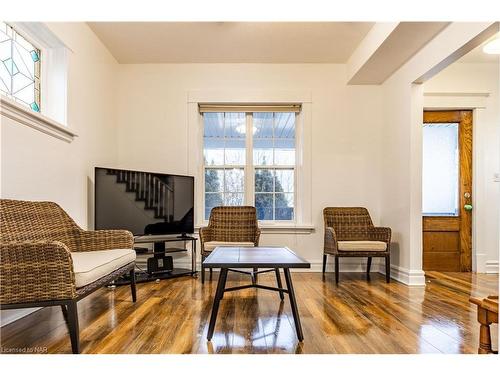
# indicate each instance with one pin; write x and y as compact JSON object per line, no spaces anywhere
{"x":25,"y":350}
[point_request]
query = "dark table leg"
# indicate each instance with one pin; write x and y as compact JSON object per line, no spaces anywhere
{"x":278,"y":281}
{"x":193,"y":256}
{"x":218,"y":296}
{"x":293,"y":303}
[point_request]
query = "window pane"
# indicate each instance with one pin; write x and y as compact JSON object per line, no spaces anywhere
{"x":283,"y":206}
{"x":212,"y":200}
{"x":213,"y":124}
{"x":284,"y":152}
{"x":264,"y":180}
{"x":284,"y":125}
{"x":235,"y":126}
{"x":213,"y":149}
{"x":263,"y":125}
{"x":264,"y":206}
{"x":233,"y":199}
{"x":284,"y":181}
{"x":235,"y":152}
{"x":214,"y":179}
{"x":26,"y":94}
{"x":440,"y":169}
{"x":19,"y":68}
{"x":274,"y":138}
{"x":263,"y":152}
{"x":234,"y":182}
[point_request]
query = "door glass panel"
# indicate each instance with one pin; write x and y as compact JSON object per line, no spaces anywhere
{"x":440,"y":170}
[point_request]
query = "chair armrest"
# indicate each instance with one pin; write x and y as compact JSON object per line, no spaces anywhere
{"x":103,"y":240}
{"x":34,"y":271}
{"x":380,"y":234}
{"x":206,"y":235}
{"x":257,"y":236}
{"x":330,"y":245}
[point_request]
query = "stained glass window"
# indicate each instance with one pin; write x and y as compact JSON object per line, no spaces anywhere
{"x":20,"y":64}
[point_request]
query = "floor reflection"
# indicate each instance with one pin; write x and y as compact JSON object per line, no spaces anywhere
{"x":252,"y":326}
{"x":444,"y":337}
{"x":355,"y":316}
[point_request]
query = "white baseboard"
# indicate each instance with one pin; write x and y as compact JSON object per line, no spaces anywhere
{"x":405,"y":276}
{"x":479,"y":263}
{"x":492,"y":266}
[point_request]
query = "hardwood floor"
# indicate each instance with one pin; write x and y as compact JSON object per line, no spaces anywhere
{"x":357,"y":316}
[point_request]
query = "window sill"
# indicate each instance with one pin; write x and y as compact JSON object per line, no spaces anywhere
{"x":25,"y":116}
{"x":286,"y":228}
{"x":278,"y":228}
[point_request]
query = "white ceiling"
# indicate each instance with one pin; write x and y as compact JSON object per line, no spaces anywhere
{"x":231,"y":42}
{"x":478,"y":56}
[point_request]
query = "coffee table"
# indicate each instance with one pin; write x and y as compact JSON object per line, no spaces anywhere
{"x":269,"y":258}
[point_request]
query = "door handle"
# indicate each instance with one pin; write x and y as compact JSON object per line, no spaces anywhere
{"x":468,"y":207}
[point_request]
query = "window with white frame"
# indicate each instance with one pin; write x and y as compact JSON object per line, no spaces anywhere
{"x":20,"y":63}
{"x":250,"y":159}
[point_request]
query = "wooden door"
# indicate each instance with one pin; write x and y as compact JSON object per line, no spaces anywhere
{"x":447,"y":191}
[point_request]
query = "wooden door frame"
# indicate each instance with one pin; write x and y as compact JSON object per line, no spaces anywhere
{"x":464,"y":119}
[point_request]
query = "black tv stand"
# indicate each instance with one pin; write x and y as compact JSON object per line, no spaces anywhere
{"x":161,"y":251}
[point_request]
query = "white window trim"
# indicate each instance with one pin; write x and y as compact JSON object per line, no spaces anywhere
{"x":52,"y":120}
{"x":303,"y":200}
{"x":25,"y":116}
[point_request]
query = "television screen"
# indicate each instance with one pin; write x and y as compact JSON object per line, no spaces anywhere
{"x":144,"y":203}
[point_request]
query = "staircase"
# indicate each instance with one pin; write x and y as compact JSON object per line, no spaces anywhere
{"x":156,"y":194}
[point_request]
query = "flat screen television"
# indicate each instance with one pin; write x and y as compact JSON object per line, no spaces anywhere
{"x":144,"y":203}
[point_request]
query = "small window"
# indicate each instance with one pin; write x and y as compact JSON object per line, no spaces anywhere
{"x":440,"y":169}
{"x":20,"y":63}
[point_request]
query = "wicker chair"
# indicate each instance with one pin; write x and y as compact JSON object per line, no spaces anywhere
{"x":349,"y":232}
{"x":47,"y":260}
{"x":229,"y":226}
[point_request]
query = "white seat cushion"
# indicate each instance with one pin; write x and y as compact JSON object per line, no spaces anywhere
{"x":211,"y":245}
{"x":92,"y":265}
{"x":362,"y":246}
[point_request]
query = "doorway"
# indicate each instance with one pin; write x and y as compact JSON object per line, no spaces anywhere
{"x":447,"y":191}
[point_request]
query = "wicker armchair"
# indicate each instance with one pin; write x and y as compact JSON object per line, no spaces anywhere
{"x":47,"y":260}
{"x":229,"y":226}
{"x":349,"y":232}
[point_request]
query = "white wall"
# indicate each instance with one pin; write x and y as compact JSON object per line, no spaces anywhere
{"x":365,"y":140}
{"x":401,"y":188}
{"x":36,"y":166}
{"x":479,"y":78}
{"x":401,"y":179}
{"x":152,"y":112}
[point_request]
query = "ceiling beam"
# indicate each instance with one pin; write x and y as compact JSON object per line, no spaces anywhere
{"x":386,"y":48}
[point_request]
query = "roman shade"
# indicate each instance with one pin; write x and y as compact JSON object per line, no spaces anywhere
{"x":290,"y":107}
